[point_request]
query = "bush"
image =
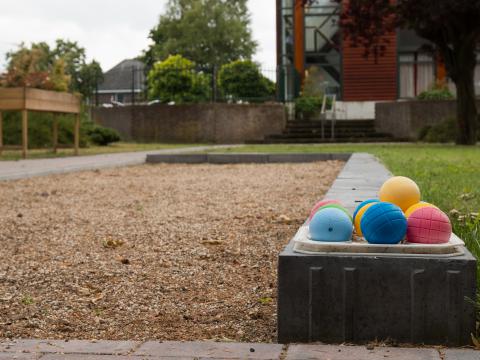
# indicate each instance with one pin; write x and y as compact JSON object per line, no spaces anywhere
{"x":307,"y":106}
{"x":438,"y":92}
{"x":177,"y":80}
{"x":242,"y":80}
{"x":446,"y":131}
{"x":102,"y":136}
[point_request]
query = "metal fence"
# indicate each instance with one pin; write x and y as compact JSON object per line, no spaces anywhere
{"x":130,"y":85}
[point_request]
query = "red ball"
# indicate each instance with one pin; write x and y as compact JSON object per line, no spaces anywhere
{"x":319,"y":205}
{"x":429,"y":225}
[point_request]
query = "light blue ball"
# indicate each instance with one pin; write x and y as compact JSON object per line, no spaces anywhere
{"x":384,"y":223}
{"x":331,"y":224}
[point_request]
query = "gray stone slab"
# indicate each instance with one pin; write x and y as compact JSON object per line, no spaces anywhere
{"x":330,"y":352}
{"x":210,"y":350}
{"x":302,"y":158}
{"x":69,"y":347}
{"x":19,"y":356}
{"x":111,"y":357}
{"x":461,"y":354}
{"x":177,"y":159}
{"x":237,"y":158}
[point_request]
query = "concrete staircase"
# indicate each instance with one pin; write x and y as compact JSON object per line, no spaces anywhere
{"x":303,"y":132}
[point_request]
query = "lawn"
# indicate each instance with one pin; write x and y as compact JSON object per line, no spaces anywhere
{"x":92,"y":150}
{"x":448,"y":176}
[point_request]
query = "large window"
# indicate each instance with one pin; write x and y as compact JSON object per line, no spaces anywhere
{"x":323,"y":44}
{"x":416,"y":73}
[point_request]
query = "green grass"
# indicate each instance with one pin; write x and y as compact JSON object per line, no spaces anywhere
{"x":448,"y":176}
{"x":92,"y":150}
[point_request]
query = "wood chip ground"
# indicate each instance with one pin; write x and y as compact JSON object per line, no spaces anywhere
{"x":168,"y":252}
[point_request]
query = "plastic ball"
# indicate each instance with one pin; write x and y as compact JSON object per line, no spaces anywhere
{"x":420,"y":205}
{"x":337,"y":206}
{"x":358,"y":218}
{"x":319,"y":205}
{"x":401,"y":191}
{"x":362,"y":204}
{"x":429,"y":225}
{"x":331,"y":225}
{"x":384,"y":223}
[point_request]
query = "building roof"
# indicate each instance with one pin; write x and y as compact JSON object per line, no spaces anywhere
{"x":120,"y":77}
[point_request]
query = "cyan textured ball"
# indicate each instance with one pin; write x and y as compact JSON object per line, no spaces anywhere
{"x":331,"y":224}
{"x":362,"y":204}
{"x":384,"y":223}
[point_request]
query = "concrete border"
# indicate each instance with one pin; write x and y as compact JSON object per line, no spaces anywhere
{"x":247,"y":158}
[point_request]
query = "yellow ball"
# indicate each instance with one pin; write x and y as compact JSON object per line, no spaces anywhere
{"x":420,"y":205}
{"x":401,"y":191}
{"x":358,"y":218}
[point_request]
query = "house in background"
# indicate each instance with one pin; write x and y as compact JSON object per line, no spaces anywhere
{"x":125,"y":84}
{"x":310,"y":43}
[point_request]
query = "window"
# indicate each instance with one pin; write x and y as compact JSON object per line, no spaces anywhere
{"x":416,"y":73}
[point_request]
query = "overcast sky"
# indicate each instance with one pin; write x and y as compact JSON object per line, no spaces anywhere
{"x":110,"y":30}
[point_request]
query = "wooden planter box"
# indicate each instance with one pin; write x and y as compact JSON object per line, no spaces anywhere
{"x":28,"y":99}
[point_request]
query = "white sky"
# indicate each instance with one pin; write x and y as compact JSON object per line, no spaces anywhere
{"x":110,"y":30}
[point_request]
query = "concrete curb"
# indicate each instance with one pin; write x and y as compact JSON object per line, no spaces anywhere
{"x":239,"y":158}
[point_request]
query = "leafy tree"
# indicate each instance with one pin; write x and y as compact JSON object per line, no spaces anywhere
{"x":452,"y":26}
{"x":242,"y":79}
{"x":62,"y":68}
{"x":177,"y":80}
{"x":209,"y":32}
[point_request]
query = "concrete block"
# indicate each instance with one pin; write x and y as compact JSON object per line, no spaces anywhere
{"x":209,"y":349}
{"x":68,"y":347}
{"x":177,"y":158}
{"x":237,"y":158}
{"x":461,"y":354}
{"x":330,"y":352}
{"x":350,"y":298}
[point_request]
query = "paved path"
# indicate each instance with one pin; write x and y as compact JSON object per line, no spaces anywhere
{"x":153,"y":350}
{"x":11,"y":170}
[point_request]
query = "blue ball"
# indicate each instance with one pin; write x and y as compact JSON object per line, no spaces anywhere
{"x":362,"y":204}
{"x":384,"y":223}
{"x":331,"y":224}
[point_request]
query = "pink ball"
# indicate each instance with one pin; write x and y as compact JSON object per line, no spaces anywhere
{"x":320,"y":204}
{"x":429,"y":225}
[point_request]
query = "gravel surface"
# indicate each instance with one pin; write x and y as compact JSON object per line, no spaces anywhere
{"x":168,"y":252}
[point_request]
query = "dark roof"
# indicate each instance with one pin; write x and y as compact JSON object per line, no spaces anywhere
{"x":120,"y":76}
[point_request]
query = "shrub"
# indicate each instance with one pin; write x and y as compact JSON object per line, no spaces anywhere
{"x":102,"y":136}
{"x":307,"y":106}
{"x":445,"y":131}
{"x":437,"y":92}
{"x":242,"y":80}
{"x":175,"y":79}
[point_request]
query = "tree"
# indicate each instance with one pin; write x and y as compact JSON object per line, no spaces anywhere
{"x":452,"y":26}
{"x":208,"y":32}
{"x":62,"y":68}
{"x":177,"y":80}
{"x":243,"y":80}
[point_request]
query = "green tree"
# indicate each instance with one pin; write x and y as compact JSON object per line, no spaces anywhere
{"x":242,"y":79}
{"x":62,"y":68}
{"x":176,"y":79}
{"x":209,"y":32}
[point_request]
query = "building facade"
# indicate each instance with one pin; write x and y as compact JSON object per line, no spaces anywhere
{"x":310,"y":43}
{"x":125,"y":83}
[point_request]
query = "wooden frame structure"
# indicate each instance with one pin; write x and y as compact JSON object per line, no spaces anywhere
{"x":28,"y":99}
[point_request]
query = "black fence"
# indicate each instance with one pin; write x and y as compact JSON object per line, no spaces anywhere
{"x":130,"y":85}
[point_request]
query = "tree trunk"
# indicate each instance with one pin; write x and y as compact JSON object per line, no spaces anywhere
{"x":467,"y":116}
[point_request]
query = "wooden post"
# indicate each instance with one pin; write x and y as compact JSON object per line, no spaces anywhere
{"x":24,"y":133}
{"x":1,"y":133}
{"x":55,"y":133}
{"x":77,"y":133}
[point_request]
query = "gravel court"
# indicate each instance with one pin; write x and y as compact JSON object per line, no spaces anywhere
{"x":166,"y":252}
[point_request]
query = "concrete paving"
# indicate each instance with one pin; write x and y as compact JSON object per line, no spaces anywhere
{"x":154,"y":350}
{"x":12,"y":170}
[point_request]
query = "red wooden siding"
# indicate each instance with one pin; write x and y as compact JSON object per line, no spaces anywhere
{"x":365,"y":79}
